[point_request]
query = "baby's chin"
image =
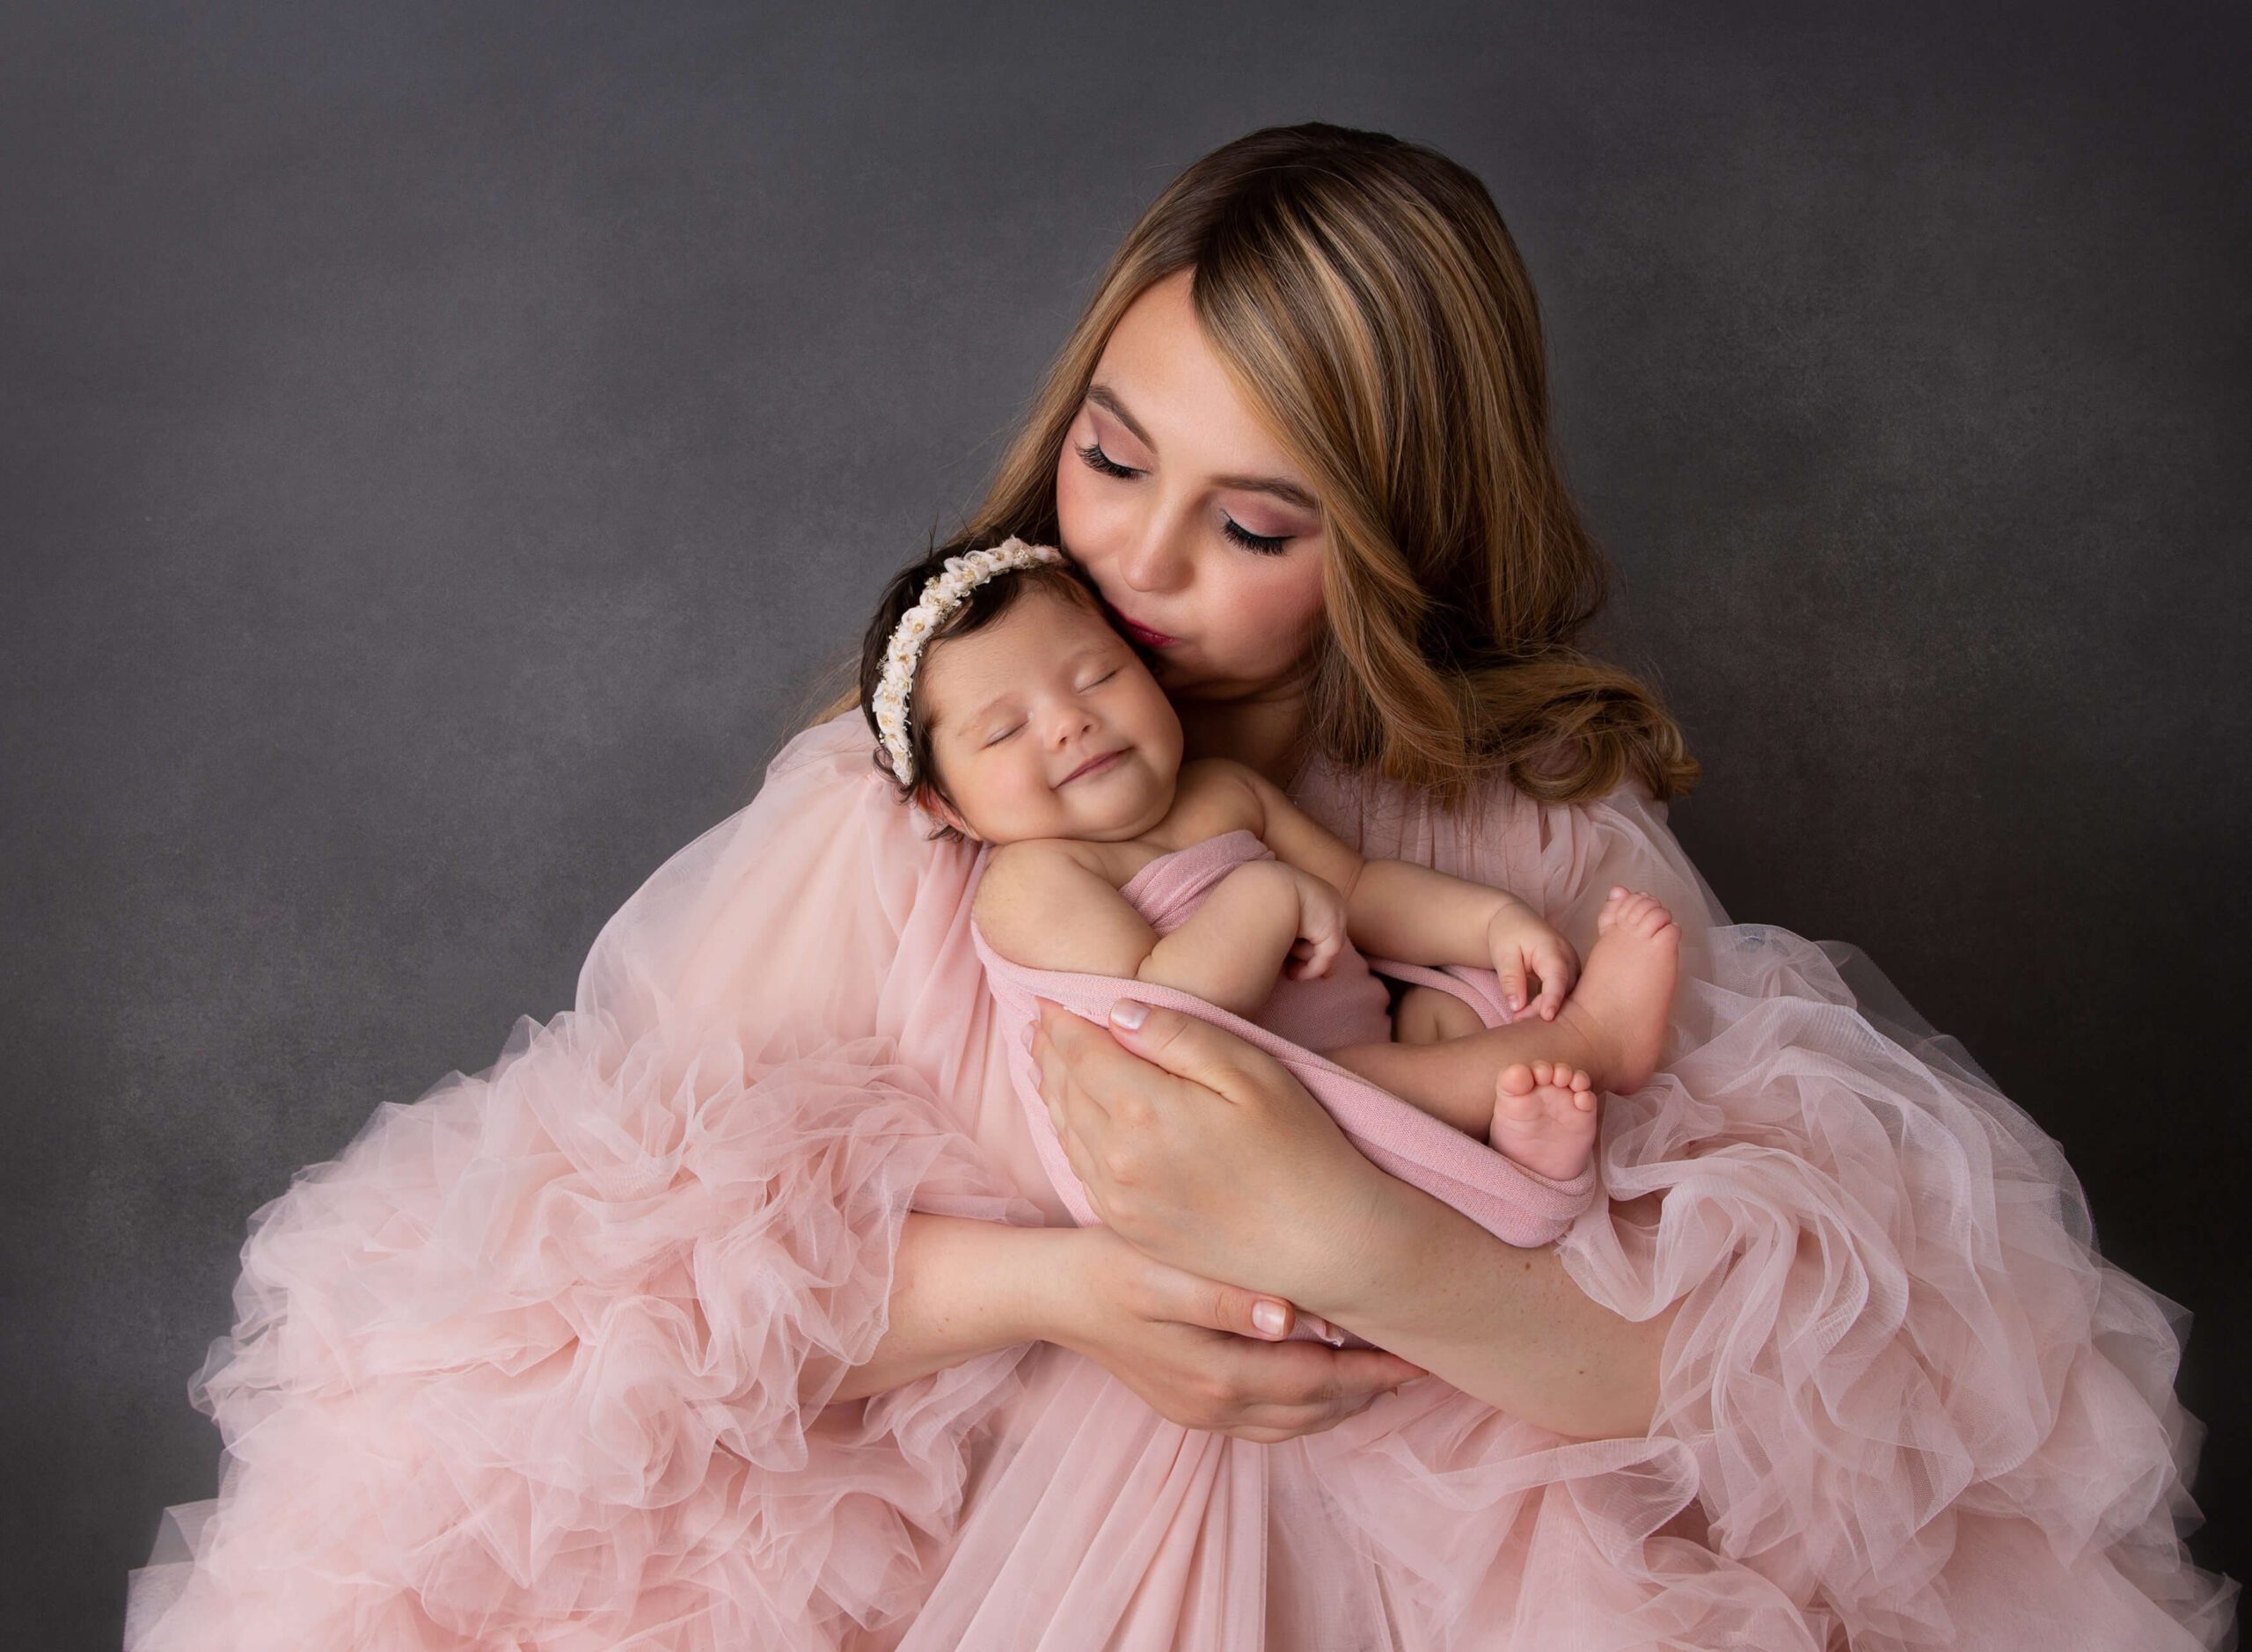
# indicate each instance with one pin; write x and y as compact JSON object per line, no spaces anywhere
{"x":1092,"y":821}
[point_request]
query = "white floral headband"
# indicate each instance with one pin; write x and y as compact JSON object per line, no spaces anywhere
{"x":942,"y":594}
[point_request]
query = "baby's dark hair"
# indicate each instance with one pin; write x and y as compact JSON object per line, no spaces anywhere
{"x":986,"y":604}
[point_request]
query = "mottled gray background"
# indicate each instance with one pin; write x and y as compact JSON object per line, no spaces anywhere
{"x":437,"y":444}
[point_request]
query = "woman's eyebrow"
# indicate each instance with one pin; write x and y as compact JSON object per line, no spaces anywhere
{"x":1102,"y":396}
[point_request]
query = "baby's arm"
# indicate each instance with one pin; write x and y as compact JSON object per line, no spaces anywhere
{"x":1040,"y":906}
{"x":1395,"y":909}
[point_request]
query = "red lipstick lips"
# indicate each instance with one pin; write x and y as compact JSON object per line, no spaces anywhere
{"x":1143,"y":634}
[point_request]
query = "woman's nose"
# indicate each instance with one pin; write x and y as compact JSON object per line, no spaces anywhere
{"x":1154,"y":562}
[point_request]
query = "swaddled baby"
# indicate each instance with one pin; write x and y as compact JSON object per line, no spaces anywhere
{"x":1007,"y":705}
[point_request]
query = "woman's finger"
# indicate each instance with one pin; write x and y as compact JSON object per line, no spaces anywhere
{"x":1050,"y":1070}
{"x":1184,"y":1046}
{"x":1222,"y":1307}
{"x":1072,"y":1044}
{"x":1305,"y":1387}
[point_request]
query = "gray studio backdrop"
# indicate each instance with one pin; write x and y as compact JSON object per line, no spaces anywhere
{"x":439,"y":445}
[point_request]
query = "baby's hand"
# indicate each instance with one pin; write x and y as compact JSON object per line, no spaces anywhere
{"x":1322,"y":928}
{"x":1527,"y":950}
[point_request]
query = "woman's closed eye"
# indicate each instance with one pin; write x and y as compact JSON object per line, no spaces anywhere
{"x":1264,"y":544}
{"x":1095,"y":456}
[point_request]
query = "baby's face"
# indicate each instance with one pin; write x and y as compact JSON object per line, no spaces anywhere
{"x":1046,"y":723}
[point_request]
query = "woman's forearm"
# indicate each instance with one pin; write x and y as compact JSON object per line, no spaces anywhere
{"x":1506,"y":1325}
{"x":960,"y":1288}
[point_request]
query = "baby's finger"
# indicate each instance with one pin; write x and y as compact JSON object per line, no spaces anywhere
{"x":1512,"y":975}
{"x":1556,"y":976}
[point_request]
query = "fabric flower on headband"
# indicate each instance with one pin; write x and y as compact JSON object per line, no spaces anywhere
{"x":942,"y":594}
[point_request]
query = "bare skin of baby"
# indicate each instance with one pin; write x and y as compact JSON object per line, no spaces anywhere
{"x":1530,"y":1089}
{"x":1052,"y":742}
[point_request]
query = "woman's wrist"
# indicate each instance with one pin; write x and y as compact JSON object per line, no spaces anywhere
{"x":1504,"y":1324}
{"x":962,"y":1288}
{"x":1396,"y":1237}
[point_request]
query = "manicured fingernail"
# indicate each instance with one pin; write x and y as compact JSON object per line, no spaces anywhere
{"x":1268,"y":1317}
{"x":1129,"y":1013}
{"x":1515,"y":1003}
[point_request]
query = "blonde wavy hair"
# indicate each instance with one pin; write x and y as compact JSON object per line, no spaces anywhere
{"x":1372,"y":306}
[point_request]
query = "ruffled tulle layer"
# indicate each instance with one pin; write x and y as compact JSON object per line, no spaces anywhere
{"x":1919,"y":1399}
{"x":539,"y":1361}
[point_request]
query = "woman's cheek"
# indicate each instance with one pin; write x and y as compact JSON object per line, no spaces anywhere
{"x":1283,"y":614}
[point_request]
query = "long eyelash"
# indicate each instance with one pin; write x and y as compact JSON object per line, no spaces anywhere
{"x":1094,"y":455}
{"x":1263,"y":544}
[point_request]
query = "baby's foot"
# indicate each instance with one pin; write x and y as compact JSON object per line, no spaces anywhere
{"x":1615,"y":1017}
{"x":1544,"y":1118}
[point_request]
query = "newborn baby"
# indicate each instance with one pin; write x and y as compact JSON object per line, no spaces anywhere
{"x":1007,"y":705}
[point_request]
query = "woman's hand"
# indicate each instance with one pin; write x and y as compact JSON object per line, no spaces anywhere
{"x":1189,"y":1348}
{"x":1201,"y":1151}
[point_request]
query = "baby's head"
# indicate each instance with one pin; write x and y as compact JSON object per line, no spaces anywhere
{"x":1025,"y":714}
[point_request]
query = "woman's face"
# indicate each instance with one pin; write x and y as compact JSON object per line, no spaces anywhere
{"x":1203,"y":538}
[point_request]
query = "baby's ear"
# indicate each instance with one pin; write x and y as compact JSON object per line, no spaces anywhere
{"x":930,"y":802}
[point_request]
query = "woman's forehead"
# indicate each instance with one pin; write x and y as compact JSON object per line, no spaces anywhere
{"x":1160,"y":377}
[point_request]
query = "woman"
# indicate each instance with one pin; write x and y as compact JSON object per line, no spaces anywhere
{"x":731,"y":1308}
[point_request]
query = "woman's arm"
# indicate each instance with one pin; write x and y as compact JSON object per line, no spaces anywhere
{"x":960,"y":1288}
{"x":1204,"y":1152}
{"x":1188,"y":1345}
{"x":1509,"y":1325}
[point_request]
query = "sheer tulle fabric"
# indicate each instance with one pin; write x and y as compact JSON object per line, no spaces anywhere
{"x":540,"y":1360}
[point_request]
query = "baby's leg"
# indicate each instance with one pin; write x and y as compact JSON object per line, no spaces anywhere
{"x":1523,"y":1085}
{"x":1542,"y":1113}
{"x":1542,"y":1116}
{"x":1425,"y":1015}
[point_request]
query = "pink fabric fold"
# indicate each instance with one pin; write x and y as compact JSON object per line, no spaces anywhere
{"x":1518,"y":1205}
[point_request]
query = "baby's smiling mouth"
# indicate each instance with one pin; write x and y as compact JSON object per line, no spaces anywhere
{"x":1094,"y":764}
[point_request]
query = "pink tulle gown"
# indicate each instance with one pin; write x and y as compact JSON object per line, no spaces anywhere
{"x":522,"y":1368}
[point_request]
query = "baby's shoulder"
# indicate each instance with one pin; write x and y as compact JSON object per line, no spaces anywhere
{"x":1216,"y":796}
{"x":1017,"y":870}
